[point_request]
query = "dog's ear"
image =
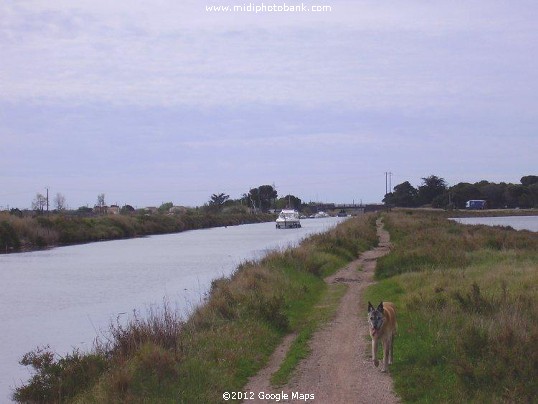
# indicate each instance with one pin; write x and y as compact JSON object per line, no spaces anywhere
{"x":370,"y":307}
{"x":380,"y":307}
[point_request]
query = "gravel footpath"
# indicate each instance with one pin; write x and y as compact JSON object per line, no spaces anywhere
{"x":339,"y":368}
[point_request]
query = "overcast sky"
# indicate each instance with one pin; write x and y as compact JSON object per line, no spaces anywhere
{"x":150,"y":102}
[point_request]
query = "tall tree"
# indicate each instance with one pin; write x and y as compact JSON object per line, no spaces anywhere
{"x":165,"y":207}
{"x":404,"y":195}
{"x":529,"y":180}
{"x":101,"y":205}
{"x":289,"y":202}
{"x":126,"y":209}
{"x":217,"y":201}
{"x":262,"y":197}
{"x":59,"y":202}
{"x":39,"y":203}
{"x":493,"y":194}
{"x":518,"y":196}
{"x":533,"y":190}
{"x":462,"y":192}
{"x":431,"y":188}
{"x":101,"y":200}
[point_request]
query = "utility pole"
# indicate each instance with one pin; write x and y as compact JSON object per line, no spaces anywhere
{"x":388,"y":182}
{"x":47,"y":200}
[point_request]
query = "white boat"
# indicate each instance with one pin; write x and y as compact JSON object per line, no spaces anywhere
{"x":321,"y":214}
{"x":288,"y":219}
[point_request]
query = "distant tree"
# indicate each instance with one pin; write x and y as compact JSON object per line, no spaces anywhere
{"x":245,"y":200}
{"x":252,"y":198}
{"x":462,"y":192}
{"x":39,"y":203}
{"x":529,"y":180}
{"x":404,"y":195}
{"x":262,"y":197}
{"x":494,"y":194}
{"x":84,"y":210}
{"x":165,"y":207}
{"x":533,"y":190}
{"x":518,"y":196}
{"x":443,"y":201}
{"x":530,"y":197}
{"x":101,"y":200}
{"x":101,"y":204}
{"x":431,"y":188}
{"x":511,"y":195}
{"x":217,"y":201}
{"x":526,"y":201}
{"x":126,"y":209}
{"x":289,"y":202}
{"x":15,"y":212}
{"x":434,"y":191}
{"x":59,"y":202}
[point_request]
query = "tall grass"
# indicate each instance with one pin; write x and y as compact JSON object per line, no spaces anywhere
{"x":468,"y":317}
{"x":27,"y":233}
{"x":161,"y":358}
{"x":17,"y":233}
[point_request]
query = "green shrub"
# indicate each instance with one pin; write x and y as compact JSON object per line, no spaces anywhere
{"x":58,"y":379}
{"x":9,"y":240}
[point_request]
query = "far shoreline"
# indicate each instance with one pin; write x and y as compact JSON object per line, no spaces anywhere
{"x":42,"y":233}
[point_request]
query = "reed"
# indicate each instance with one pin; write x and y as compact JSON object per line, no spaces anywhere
{"x":29,"y":233}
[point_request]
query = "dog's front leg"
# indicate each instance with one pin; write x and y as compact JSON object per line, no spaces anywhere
{"x":386,"y":352}
{"x":391,"y":349}
{"x":374,"y":352}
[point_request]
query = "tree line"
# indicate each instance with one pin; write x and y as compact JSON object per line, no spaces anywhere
{"x":20,"y":231}
{"x":435,"y":191}
{"x":262,"y":199}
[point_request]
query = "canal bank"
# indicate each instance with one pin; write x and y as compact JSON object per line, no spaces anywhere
{"x":65,"y":297}
{"x":231,"y":335}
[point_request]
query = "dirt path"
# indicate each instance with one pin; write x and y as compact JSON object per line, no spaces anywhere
{"x":338,"y":369}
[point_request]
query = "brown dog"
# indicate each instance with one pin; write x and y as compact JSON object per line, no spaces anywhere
{"x":383,"y":325}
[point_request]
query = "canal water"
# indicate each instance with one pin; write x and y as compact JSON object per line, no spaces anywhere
{"x":66,"y":297}
{"x":516,"y":222}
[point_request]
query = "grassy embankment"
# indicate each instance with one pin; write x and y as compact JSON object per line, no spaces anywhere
{"x":467,"y":305}
{"x":159,"y":358}
{"x":28,"y":233}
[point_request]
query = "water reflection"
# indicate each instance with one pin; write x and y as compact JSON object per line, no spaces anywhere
{"x":516,"y":222}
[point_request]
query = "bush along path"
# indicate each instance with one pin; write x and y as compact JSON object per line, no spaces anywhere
{"x":338,"y":368}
